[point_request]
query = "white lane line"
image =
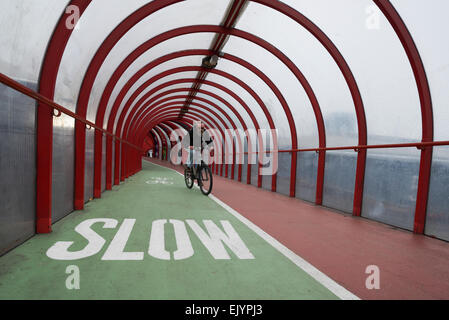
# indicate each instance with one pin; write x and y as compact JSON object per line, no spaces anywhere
{"x":319,"y":276}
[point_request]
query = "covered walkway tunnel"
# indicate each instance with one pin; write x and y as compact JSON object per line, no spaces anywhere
{"x":346,"y":100}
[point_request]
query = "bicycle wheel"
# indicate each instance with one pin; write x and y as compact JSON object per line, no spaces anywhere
{"x":188,"y":178}
{"x":205,"y":180}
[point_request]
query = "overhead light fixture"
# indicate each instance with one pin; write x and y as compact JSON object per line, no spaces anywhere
{"x":210,"y":62}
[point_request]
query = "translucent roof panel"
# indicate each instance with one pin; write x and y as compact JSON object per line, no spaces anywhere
{"x":175,"y":16}
{"x":83,"y":44}
{"x":175,"y":99}
{"x":428,"y":26}
{"x":236,"y":104}
{"x":23,"y":41}
{"x":189,"y":74}
{"x":244,"y":95}
{"x":193,"y":41}
{"x":375,"y":56}
{"x":263,"y":91}
{"x":289,"y":87}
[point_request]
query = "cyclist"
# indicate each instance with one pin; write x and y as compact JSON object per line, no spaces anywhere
{"x":194,"y":143}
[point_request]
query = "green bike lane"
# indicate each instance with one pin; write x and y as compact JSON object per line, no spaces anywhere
{"x":198,"y":250}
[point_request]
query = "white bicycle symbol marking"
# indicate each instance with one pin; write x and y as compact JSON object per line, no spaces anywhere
{"x":159,"y":180}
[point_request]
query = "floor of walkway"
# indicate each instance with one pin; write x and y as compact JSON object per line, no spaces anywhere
{"x":152,"y":238}
{"x":341,"y":246}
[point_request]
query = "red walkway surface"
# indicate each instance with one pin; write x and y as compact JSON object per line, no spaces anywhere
{"x":342,"y":246}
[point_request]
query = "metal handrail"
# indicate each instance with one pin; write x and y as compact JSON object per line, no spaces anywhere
{"x":418,"y":145}
{"x":38,"y":97}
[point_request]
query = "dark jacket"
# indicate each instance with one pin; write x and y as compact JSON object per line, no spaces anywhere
{"x":187,"y":141}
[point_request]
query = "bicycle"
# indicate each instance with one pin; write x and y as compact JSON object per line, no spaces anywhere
{"x":203,"y":176}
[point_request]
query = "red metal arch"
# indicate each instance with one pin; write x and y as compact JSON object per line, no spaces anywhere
{"x":173,"y":82}
{"x":160,"y":106}
{"x":424,"y":93}
{"x":158,"y":139}
{"x":138,"y":119}
{"x":174,"y":105}
{"x":426,"y":110}
{"x":200,"y":115}
{"x":139,"y":163}
{"x":60,"y":37}
{"x":44,"y":119}
{"x":126,"y":132}
{"x":157,"y":133}
{"x":198,"y":112}
{"x":298,"y":74}
{"x":188,"y":122}
{"x":172,"y":127}
{"x":173,"y":114}
{"x":242,"y":34}
{"x":163,"y":104}
{"x":169,"y":128}
{"x":221,"y":73}
{"x":192,"y":29}
{"x":176,"y":125}
{"x":261,"y":75}
{"x":163,"y":145}
{"x":220,"y":87}
{"x":207,"y":93}
{"x":88,"y":82}
{"x":179,"y":81}
{"x":245,"y":87}
{"x":250,"y":91}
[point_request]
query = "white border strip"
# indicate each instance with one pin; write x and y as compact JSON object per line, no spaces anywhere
{"x":319,"y":276}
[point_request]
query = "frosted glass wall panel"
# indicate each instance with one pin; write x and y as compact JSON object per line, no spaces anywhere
{"x":244,"y":164}
{"x":167,"y":140}
{"x":63,"y":166}
{"x":307,"y":166}
{"x":283,"y":176}
{"x":158,"y":144}
{"x":244,"y":169}
{"x":339,"y":180}
{"x":17,"y":167}
{"x":391,"y":183}
{"x":266,"y":181}
{"x":89,"y":166}
{"x":113,"y":162}
{"x":26,"y":30}
{"x":437,"y":222}
{"x":254,"y":174}
{"x":103,"y":165}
